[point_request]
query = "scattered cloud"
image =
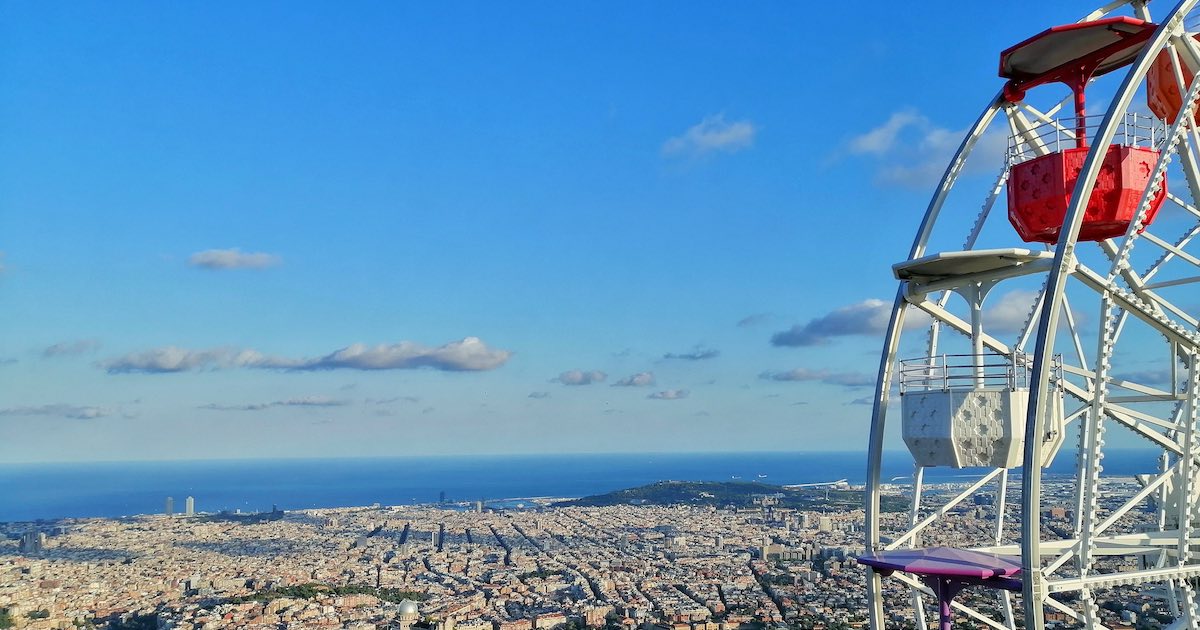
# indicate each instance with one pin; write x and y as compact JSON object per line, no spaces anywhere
{"x":712,"y":135}
{"x":882,"y":139}
{"x":215,"y":259}
{"x":1007,"y":314}
{"x":580,"y":377}
{"x":669,"y":394}
{"x":393,"y":399}
{"x":7,"y":361}
{"x":61,"y":410}
{"x":71,"y":348}
{"x":641,"y":379}
{"x":754,"y":320}
{"x":868,"y":317}
{"x":698,"y":353}
{"x":307,"y":401}
{"x":539,"y":395}
{"x":467,"y":355}
{"x":911,"y":151}
{"x":174,"y":359}
{"x":865,"y":400}
{"x":845,"y":379}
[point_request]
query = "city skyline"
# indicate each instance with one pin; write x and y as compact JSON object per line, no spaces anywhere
{"x":239,"y":232}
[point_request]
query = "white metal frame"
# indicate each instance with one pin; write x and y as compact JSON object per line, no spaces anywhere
{"x":1125,"y":296}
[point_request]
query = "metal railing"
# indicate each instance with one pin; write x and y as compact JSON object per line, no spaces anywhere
{"x":1134,"y":130}
{"x":964,"y":372}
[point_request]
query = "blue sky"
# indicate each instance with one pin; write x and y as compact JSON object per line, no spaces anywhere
{"x":297,"y":229}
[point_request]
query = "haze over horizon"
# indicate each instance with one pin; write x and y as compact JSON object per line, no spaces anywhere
{"x":318,"y":230}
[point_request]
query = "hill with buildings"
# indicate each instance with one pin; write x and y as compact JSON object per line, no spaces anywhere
{"x":738,"y":494}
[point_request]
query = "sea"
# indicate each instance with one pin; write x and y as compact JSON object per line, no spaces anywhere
{"x":114,"y":489}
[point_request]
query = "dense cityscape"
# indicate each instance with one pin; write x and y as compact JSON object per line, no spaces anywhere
{"x":466,"y":567}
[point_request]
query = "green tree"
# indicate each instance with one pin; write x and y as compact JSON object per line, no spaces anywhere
{"x":6,"y":620}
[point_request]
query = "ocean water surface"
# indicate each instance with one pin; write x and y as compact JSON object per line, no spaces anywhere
{"x":109,"y":489}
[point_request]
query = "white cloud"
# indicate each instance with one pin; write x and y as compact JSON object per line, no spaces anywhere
{"x":641,"y":379}
{"x":911,"y":151}
{"x":845,"y":379}
{"x":869,"y":317}
{"x":232,"y":259}
{"x":753,"y":320}
{"x":470,"y":354}
{"x":881,"y":139}
{"x":74,"y":412}
{"x":697,"y":353}
{"x":70,"y":348}
{"x":580,"y":377}
{"x":1008,"y":313}
{"x":670,"y":394}
{"x":307,"y":401}
{"x":711,"y":135}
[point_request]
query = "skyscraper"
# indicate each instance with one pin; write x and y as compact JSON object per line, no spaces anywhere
{"x":189,"y":507}
{"x":32,"y":542}
{"x":170,"y":509}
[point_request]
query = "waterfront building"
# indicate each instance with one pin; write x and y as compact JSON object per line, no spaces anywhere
{"x":170,"y":507}
{"x":189,"y":506}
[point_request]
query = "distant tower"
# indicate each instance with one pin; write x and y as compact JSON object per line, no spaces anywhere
{"x":32,"y":542}
{"x":189,"y":507}
{"x":170,"y":510}
{"x":442,"y":497}
{"x":478,"y":507}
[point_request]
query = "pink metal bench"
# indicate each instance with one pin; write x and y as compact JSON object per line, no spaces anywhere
{"x":947,"y":571}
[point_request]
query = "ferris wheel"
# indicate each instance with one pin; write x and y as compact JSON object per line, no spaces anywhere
{"x":1101,"y":245}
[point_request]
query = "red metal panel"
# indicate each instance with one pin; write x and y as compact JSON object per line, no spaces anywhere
{"x":1162,"y":90}
{"x":1072,"y":54}
{"x":1039,"y":192}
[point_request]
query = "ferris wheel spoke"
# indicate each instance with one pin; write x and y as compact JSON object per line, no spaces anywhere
{"x":1067,"y":610}
{"x":1140,"y":428}
{"x":1183,"y":203}
{"x":1144,"y":417}
{"x":1131,"y":578}
{"x":941,"y":511}
{"x":1172,"y":250}
{"x":1172,"y":283}
{"x":1148,"y":312}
